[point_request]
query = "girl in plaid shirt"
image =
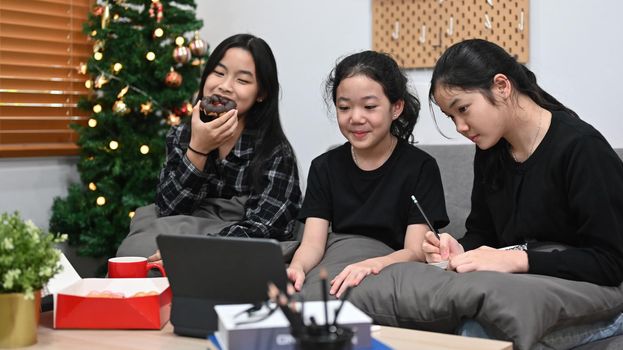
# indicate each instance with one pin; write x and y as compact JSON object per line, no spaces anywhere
{"x":242,"y":155}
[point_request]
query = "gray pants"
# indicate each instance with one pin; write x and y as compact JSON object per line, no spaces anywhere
{"x":209,"y":219}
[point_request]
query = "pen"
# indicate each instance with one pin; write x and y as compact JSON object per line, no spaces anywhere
{"x":323,"y":278}
{"x":425,"y":217}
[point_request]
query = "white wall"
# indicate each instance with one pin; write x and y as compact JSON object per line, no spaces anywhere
{"x":576,"y":48}
{"x":29,"y":185}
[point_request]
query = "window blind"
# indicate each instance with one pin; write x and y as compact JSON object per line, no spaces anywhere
{"x":41,"y":47}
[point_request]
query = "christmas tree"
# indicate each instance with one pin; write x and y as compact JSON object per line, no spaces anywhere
{"x":145,"y":69}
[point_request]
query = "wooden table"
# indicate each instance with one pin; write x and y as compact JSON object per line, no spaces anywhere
{"x":396,"y":338}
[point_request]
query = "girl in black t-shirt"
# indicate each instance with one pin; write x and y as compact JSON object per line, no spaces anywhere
{"x":364,"y":186}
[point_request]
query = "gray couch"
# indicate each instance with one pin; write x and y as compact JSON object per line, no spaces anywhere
{"x":456,"y":167}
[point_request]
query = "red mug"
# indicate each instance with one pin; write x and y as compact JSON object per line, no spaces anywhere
{"x":131,"y":267}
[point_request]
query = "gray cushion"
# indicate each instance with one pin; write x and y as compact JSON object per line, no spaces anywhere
{"x":521,"y":308}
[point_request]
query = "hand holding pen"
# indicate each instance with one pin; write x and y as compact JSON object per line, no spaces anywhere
{"x":437,"y":248}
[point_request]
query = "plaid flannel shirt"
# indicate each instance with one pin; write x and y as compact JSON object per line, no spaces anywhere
{"x":268,"y":214}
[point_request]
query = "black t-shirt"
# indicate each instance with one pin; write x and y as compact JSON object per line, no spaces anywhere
{"x":569,"y":191}
{"x":375,"y":203}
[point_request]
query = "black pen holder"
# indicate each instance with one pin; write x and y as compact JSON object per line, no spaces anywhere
{"x":321,"y":337}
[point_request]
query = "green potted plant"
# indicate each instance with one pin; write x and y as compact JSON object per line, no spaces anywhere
{"x":28,"y":260}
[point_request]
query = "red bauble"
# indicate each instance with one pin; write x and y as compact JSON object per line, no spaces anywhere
{"x":173,"y":79}
{"x":98,"y":10}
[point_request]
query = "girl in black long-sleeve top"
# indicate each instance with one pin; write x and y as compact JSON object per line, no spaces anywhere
{"x":540,"y":174}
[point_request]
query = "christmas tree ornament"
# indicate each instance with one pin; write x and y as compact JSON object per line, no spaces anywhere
{"x":150,"y":56}
{"x":196,"y":62}
{"x":117,"y":67}
{"x":181,"y":54}
{"x":92,"y":186}
{"x":197,"y":46}
{"x":173,"y":79}
{"x":123,"y":91}
{"x":98,"y":46}
{"x":155,"y":10}
{"x":144,"y":149}
{"x":97,"y":108}
{"x":82,"y":68}
{"x":98,"y":10}
{"x":185,"y":110}
{"x":158,"y":33}
{"x":100,"y":81}
{"x":173,"y":120}
{"x":120,"y":107}
{"x":101,"y":200}
{"x":146,"y":107}
{"x":98,"y":56}
{"x":105,"y":16}
{"x":92,"y":123}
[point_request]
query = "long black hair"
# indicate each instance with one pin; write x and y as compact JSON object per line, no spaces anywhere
{"x":384,"y":70}
{"x":471,"y":65}
{"x":263,"y":117}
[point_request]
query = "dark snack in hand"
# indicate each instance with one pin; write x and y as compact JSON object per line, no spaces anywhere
{"x":213,"y":106}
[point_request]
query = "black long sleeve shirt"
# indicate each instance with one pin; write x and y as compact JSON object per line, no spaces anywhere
{"x":569,"y":191}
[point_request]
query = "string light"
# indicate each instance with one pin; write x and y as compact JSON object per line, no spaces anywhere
{"x":100,"y":200}
{"x":94,"y":33}
{"x":131,"y":214}
{"x":117,"y":67}
{"x":158,"y":33}
{"x":97,"y":108}
{"x":150,"y":56}
{"x":144,"y":149}
{"x":88,"y":84}
{"x":92,"y":186}
{"x":113,"y":145}
{"x":98,"y":56}
{"x":179,"y":41}
{"x":92,"y":122}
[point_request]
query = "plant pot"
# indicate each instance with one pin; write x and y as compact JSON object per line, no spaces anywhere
{"x":19,"y":319}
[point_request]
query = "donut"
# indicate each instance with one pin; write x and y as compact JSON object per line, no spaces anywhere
{"x":144,"y":294}
{"x":214,"y":106}
{"x":105,"y":294}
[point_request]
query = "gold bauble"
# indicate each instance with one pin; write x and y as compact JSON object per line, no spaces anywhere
{"x":181,"y":54}
{"x":198,"y":47}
